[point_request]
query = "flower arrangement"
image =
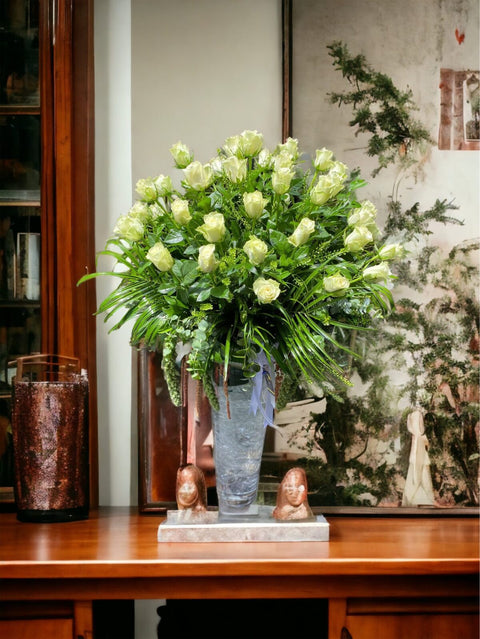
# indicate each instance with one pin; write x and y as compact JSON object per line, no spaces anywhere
{"x":254,"y":253}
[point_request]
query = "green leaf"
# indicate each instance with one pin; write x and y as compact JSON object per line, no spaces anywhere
{"x":204,"y":294}
{"x":221,"y":292}
{"x":175,"y":236}
{"x":279,"y":240}
{"x":186,"y":271}
{"x":166,"y":290}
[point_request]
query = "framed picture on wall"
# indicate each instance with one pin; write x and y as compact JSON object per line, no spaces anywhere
{"x":459,"y":128}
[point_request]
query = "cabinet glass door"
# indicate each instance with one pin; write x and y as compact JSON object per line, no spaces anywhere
{"x":20,"y":203}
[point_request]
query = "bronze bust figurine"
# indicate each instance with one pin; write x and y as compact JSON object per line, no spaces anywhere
{"x":292,"y":497}
{"x":191,"y":490}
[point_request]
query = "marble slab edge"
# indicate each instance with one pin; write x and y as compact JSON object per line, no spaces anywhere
{"x":266,"y":531}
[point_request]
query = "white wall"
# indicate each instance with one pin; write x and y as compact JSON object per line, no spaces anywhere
{"x":196,"y":71}
{"x":113,"y":178}
{"x":410,"y":41}
{"x":202,"y":71}
{"x":166,"y":70}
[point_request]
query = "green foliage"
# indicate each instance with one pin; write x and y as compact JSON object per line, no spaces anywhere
{"x":380,"y":109}
{"x":437,"y":342}
{"x":412,"y":223}
{"x":254,"y":252}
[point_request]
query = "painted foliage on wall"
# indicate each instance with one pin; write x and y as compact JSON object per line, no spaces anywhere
{"x":408,"y":432}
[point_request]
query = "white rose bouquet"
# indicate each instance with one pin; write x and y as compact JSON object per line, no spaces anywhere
{"x":255,"y":254}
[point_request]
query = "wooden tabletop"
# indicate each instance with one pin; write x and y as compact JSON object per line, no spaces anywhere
{"x":119,"y":545}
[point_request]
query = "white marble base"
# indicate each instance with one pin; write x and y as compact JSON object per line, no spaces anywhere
{"x":181,"y":526}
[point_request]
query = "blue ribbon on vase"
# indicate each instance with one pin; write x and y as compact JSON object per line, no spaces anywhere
{"x":263,"y":392}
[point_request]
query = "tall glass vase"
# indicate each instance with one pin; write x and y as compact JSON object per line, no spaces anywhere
{"x":238,"y":440}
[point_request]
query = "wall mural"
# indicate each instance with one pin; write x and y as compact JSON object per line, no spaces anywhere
{"x":406,"y":435}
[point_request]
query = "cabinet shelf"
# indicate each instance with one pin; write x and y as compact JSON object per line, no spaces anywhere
{"x":19,"y":109}
{"x":19,"y":303}
{"x":20,"y":197}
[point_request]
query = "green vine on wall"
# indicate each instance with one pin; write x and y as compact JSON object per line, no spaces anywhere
{"x":380,"y":109}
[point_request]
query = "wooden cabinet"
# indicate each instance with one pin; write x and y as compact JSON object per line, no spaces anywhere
{"x":62,"y":620}
{"x":405,"y":618}
{"x":39,"y":628}
{"x":46,"y":193}
{"x":381,"y":577}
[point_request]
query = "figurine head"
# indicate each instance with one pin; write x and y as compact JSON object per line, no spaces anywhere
{"x":191,"y":490}
{"x":294,"y":486}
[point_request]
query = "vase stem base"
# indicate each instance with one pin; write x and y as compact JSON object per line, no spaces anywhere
{"x":248,"y":513}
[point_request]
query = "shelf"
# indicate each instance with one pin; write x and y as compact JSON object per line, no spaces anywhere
{"x":19,"y":109}
{"x":19,"y":303}
{"x":19,"y":202}
{"x":20,"y":197}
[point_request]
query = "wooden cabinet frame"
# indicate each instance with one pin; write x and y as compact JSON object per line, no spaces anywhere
{"x":66,"y":78}
{"x":68,"y":214}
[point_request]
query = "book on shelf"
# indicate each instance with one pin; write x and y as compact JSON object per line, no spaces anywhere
{"x":28,"y":266}
{"x":10,"y":264}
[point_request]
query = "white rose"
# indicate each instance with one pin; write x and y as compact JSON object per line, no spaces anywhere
{"x":232,"y":145}
{"x":129,"y":228}
{"x":323,"y":159}
{"x":213,"y":228}
{"x":181,"y":154}
{"x":334,"y":283}
{"x":146,"y":189}
{"x":322,"y":190}
{"x":256,"y":250}
{"x":235,"y":169}
{"x":155,"y":209}
{"x":163,"y":185}
{"x":180,"y":211}
{"x":198,"y":176}
{"x":266,"y":290}
{"x":254,"y":204}
{"x":251,"y":143}
{"x":358,"y":238}
{"x":337,"y":174}
{"x":281,"y":179}
{"x":216,"y":164}
{"x":391,"y":251}
{"x":290,"y":146}
{"x":206,"y":258}
{"x":377,"y":273}
{"x":340,"y":170}
{"x":303,"y":231}
{"x":160,"y":257}
{"x":363,"y":216}
{"x":264,"y":159}
{"x":140,"y":211}
{"x":283,"y":160}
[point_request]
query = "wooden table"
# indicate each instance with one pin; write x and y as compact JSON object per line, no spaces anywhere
{"x":372,"y":568}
